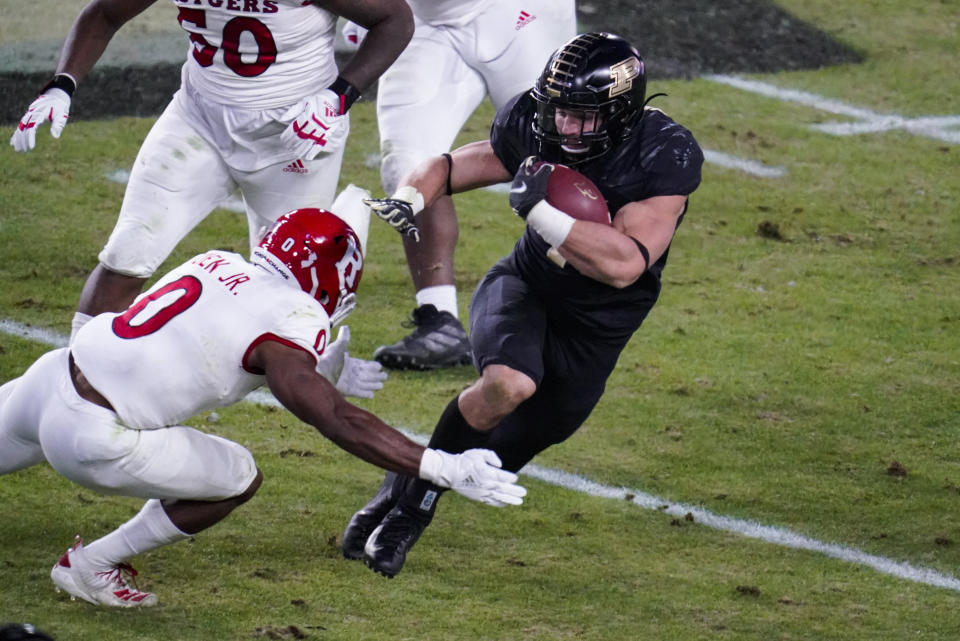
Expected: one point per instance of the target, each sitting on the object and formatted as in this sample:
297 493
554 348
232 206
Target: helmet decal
561 74
309 260
309 263
623 74
350 266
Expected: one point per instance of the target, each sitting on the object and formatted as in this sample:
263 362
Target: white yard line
559 478
943 128
37 334
752 167
750 529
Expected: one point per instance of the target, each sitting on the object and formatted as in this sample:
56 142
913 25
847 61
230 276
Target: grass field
801 371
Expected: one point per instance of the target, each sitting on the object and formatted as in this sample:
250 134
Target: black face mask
570 149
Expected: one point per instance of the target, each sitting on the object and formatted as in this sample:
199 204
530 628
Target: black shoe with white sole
369 516
387 547
438 341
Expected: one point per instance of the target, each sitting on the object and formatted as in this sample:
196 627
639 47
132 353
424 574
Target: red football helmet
320 252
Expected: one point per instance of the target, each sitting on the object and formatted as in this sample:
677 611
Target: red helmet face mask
320 253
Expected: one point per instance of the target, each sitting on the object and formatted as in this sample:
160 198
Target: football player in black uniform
548 322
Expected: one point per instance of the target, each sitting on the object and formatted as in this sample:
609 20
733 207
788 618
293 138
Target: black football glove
529 186
396 213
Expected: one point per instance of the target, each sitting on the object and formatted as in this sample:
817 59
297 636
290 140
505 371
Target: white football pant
426 96
196 156
43 418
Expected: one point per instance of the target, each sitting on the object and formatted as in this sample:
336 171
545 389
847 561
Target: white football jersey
448 12
258 54
181 348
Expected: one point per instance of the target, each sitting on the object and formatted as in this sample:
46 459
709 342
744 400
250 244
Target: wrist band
449 172
409 193
551 223
347 92
62 81
643 252
430 464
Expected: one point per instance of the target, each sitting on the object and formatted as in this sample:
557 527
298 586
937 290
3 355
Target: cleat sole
379 571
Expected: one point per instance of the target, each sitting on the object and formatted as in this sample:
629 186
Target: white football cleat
108 586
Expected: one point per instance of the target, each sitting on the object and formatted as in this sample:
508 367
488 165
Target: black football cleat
22 632
368 518
386 549
438 341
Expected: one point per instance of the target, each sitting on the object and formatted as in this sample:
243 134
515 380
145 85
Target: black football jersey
660 158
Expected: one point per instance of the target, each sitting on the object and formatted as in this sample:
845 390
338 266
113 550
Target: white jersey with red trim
453 13
181 347
258 54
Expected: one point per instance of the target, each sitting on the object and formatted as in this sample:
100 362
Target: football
574 194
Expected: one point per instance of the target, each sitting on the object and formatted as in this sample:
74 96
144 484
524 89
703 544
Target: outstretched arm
293 379
469 167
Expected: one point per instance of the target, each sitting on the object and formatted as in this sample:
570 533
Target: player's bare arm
92 31
475 165
390 25
609 254
471 166
293 379
89 35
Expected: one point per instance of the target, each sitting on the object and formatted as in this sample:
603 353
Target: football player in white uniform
261 107
106 412
461 52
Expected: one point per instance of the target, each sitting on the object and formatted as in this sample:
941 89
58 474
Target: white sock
148 530
443 297
79 320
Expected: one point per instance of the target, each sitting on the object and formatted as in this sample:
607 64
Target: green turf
806 339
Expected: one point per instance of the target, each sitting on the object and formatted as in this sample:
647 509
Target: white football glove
317 126
360 378
53 105
475 474
351 376
353 35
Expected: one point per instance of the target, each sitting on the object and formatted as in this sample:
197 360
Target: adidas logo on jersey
297 167
524 19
